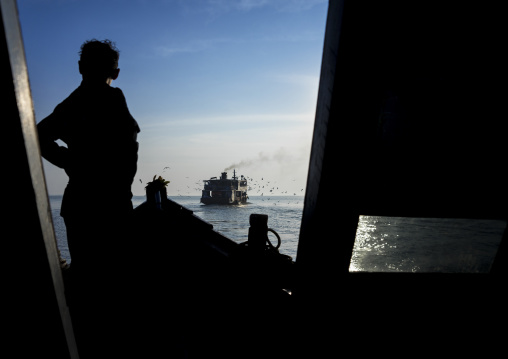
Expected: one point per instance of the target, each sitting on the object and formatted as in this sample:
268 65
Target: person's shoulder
116 93
70 100
116 90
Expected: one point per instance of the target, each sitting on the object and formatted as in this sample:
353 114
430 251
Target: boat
225 190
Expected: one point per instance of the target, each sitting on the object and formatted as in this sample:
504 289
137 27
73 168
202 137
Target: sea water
449 245
383 244
284 217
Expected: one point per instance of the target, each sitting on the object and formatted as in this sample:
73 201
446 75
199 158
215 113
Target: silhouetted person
101 154
101 161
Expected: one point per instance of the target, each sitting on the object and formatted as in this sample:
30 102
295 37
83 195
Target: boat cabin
224 190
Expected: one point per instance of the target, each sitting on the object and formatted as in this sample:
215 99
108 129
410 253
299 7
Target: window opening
448 245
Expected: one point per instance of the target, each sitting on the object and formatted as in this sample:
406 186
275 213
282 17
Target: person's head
99 60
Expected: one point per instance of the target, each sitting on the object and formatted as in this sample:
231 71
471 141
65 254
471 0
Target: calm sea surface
382 243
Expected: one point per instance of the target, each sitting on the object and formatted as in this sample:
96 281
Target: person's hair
98 58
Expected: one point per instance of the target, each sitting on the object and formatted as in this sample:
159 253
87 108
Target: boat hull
211 200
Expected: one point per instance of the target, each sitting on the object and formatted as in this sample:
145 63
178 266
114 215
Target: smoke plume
279 157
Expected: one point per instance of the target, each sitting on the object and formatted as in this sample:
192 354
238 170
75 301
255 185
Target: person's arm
130 143
49 132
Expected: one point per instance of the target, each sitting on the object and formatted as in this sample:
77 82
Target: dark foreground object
180 288
413 82
186 291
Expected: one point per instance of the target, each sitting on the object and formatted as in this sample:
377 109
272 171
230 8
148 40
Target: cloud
192 46
161 124
217 6
297 79
298 5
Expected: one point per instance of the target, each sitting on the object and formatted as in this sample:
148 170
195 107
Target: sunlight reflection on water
396 244
383 244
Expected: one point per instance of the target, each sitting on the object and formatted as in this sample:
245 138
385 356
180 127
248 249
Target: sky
214 84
